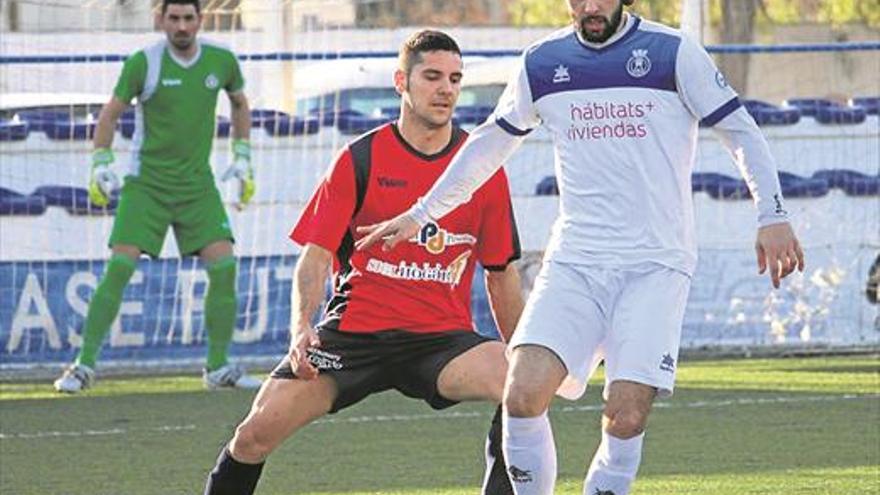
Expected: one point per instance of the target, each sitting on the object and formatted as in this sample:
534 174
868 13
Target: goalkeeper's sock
615 465
104 307
530 454
496 481
220 310
230 477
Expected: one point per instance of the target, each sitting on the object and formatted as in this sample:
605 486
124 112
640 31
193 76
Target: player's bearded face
181 23
433 87
597 20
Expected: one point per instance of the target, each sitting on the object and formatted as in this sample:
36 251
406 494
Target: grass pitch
778 426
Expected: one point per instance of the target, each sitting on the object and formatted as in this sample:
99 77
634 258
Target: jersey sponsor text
427 272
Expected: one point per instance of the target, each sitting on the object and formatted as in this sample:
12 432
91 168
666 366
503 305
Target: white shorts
629 317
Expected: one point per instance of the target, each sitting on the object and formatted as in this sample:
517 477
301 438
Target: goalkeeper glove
103 181
241 169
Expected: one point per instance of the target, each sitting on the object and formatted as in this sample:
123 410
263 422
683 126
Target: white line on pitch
92 433
460 415
598 407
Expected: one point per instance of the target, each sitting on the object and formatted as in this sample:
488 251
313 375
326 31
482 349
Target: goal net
318 74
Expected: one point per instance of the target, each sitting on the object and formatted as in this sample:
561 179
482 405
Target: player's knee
251 444
524 403
626 422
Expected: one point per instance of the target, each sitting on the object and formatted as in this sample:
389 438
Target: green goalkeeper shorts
144 215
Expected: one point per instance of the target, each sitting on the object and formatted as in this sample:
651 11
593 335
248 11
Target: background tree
736 21
394 13
554 13
834 12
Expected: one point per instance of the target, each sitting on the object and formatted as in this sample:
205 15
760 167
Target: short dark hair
194 3
423 41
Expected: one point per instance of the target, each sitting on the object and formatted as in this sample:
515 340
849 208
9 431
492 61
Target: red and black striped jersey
422 285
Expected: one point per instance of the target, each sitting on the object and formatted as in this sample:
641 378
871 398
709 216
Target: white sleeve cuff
419 213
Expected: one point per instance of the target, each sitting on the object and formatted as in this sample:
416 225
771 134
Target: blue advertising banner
43 305
162 312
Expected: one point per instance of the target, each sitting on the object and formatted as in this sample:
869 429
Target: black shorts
366 363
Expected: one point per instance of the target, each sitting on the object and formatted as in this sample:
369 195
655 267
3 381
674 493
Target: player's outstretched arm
399 228
777 248
312 270
778 251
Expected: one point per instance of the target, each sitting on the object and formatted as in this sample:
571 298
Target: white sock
530 454
614 466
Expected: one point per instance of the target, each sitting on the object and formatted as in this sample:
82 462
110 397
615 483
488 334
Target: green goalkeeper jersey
175 114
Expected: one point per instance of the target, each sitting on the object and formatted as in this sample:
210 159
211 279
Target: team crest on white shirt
639 65
211 82
561 75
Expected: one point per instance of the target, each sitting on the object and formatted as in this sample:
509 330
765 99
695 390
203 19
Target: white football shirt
624 118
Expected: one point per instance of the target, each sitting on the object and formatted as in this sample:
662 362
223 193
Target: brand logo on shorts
667 363
603 492
211 82
519 475
324 360
639 64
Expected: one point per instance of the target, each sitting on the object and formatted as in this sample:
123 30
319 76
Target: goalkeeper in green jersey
170 183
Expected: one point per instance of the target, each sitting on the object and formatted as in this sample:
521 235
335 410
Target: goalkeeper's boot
230 376
76 378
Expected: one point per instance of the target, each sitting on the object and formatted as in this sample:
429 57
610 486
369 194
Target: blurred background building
713 21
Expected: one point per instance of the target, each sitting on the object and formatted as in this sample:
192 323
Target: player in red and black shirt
430 276
398 319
